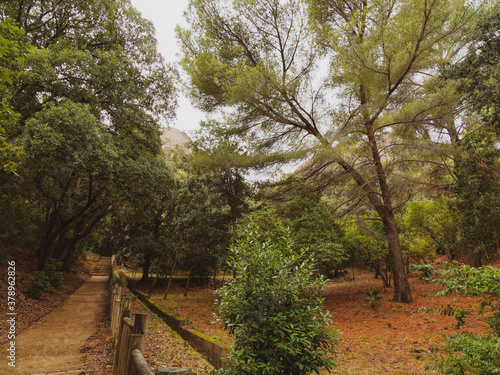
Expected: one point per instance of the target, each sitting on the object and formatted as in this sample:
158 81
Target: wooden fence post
123 354
137 341
129 336
141 324
124 309
115 310
118 311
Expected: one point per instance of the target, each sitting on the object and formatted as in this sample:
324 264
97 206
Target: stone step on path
102 267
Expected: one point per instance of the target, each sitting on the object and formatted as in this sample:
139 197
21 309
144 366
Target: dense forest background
391 109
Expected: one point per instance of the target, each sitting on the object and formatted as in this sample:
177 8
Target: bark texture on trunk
402 291
384 208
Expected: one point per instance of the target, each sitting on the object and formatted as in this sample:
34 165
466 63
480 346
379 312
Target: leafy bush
53 272
311 226
426 270
45 281
372 297
273 310
467 353
39 284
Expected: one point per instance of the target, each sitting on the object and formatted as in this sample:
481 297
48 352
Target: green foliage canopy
263 60
479 72
433 224
477 158
477 192
12 51
90 95
68 170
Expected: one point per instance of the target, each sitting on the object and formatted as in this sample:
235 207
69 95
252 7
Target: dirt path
52 345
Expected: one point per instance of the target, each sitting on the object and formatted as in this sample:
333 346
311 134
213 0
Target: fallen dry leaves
395 338
97 352
165 348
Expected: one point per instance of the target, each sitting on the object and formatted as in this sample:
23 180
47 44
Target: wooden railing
129 336
213 350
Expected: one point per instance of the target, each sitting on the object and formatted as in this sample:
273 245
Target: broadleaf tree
93 65
212 198
69 166
476 161
352 75
12 50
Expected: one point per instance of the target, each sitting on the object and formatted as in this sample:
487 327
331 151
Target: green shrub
467 353
47 280
54 273
426 270
39 284
372 297
273 309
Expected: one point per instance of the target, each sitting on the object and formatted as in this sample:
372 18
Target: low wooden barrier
214 350
129 336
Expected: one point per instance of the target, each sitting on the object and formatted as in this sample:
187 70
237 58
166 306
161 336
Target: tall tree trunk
61 245
175 263
215 276
171 276
68 253
160 262
44 253
224 276
188 280
145 268
383 207
402 291
45 248
476 258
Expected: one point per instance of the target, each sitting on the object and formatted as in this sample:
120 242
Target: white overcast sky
165 15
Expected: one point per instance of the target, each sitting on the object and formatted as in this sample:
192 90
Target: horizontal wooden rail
129 336
141 366
128 322
212 349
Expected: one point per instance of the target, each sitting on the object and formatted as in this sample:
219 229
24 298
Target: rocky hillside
172 137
